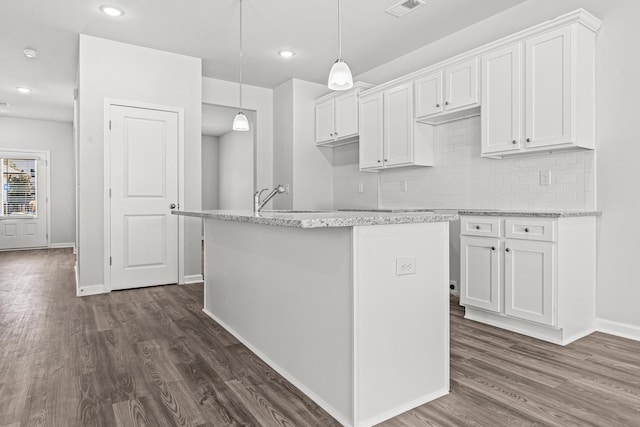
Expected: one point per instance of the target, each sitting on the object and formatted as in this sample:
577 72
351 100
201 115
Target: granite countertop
317 219
533 214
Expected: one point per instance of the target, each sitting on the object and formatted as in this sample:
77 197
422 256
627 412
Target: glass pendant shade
240 122
340 77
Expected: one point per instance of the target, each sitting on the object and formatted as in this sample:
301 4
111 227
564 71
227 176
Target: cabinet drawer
480 226
531 229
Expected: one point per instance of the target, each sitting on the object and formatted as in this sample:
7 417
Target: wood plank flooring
150 357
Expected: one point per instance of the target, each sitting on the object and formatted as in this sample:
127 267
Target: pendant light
240 122
340 75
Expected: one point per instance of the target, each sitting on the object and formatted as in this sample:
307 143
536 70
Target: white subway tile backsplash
463 179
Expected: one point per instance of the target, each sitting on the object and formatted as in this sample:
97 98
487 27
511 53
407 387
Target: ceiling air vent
404 7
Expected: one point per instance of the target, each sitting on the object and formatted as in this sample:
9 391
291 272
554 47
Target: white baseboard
63 245
618 329
293 380
194 278
90 290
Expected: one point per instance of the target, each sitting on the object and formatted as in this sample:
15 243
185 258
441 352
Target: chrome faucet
258 205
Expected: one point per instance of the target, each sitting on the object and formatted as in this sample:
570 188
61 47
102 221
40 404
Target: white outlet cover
405 266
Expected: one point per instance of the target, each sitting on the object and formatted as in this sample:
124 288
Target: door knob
172 206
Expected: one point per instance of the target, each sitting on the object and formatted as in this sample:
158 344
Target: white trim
63 245
87 290
108 103
47 159
619 329
293 380
194 278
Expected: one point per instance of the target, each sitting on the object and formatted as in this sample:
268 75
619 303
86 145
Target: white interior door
143 187
23 214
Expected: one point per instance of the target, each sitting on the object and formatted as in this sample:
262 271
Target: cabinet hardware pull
508 250
477 227
446 103
526 230
378 161
330 134
437 105
528 139
386 160
514 142
493 248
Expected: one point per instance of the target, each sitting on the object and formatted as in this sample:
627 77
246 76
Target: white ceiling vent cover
404 7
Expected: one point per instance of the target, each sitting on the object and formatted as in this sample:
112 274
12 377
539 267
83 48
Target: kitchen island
350 307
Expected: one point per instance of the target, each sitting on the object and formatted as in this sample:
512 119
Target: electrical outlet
545 178
361 188
405 266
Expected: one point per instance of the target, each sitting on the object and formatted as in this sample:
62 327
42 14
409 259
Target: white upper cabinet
538 94
428 95
501 100
445 91
371 131
461 86
389 137
548 96
324 120
337 116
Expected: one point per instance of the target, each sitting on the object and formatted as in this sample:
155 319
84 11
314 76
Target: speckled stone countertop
533 214
315 219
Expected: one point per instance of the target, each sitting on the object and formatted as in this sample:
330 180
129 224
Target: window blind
19 190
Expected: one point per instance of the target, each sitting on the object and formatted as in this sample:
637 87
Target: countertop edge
341 219
532 214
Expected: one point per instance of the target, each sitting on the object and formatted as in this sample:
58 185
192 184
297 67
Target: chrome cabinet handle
172 206
514 142
526 230
528 139
446 103
508 250
493 248
437 105
477 227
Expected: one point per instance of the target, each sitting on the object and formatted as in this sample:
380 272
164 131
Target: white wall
109 69
347 179
283 117
259 100
57 138
235 170
210 155
617 90
298 162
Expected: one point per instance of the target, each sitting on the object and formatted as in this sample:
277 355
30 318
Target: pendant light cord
240 55
339 34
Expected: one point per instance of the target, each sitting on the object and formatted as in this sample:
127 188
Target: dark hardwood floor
150 357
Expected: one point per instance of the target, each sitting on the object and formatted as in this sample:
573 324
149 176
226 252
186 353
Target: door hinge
110 261
109 124
109 193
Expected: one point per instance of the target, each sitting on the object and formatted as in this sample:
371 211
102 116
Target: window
19 191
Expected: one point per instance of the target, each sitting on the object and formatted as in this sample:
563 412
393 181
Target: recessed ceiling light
111 10
23 89
30 52
286 53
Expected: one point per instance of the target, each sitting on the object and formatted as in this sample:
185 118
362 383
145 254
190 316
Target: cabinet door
501 89
480 273
371 131
548 89
346 115
324 121
461 85
398 125
428 95
529 282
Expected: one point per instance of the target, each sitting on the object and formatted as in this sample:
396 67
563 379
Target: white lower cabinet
530 275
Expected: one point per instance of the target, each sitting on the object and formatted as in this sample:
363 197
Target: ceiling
209 29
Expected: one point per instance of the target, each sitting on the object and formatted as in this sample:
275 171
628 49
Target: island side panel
401 322
287 293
